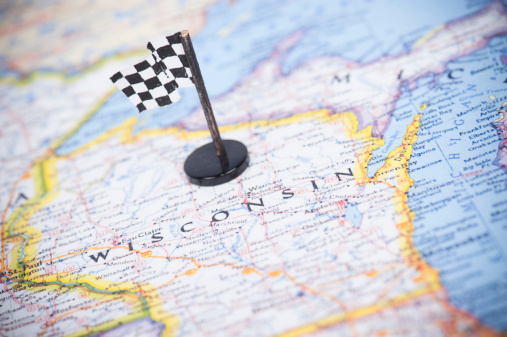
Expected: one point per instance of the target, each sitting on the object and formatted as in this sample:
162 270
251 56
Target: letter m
99 255
337 79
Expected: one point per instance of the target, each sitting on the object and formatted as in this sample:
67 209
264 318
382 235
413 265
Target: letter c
450 74
186 230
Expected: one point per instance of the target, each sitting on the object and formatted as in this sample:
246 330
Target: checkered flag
152 83
170 53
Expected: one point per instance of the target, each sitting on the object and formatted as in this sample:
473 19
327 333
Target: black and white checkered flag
153 82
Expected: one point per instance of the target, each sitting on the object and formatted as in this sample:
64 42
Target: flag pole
205 103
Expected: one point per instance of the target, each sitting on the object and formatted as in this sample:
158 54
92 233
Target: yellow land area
145 296
45 178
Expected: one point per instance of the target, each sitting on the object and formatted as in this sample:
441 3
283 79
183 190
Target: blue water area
112 113
367 30
357 30
353 215
459 195
118 108
404 112
237 37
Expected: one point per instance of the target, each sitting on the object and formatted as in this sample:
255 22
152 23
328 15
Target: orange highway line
199 265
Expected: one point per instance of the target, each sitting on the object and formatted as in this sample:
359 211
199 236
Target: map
375 202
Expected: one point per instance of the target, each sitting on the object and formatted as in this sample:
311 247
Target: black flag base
203 167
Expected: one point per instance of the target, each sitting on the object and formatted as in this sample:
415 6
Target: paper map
375 203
